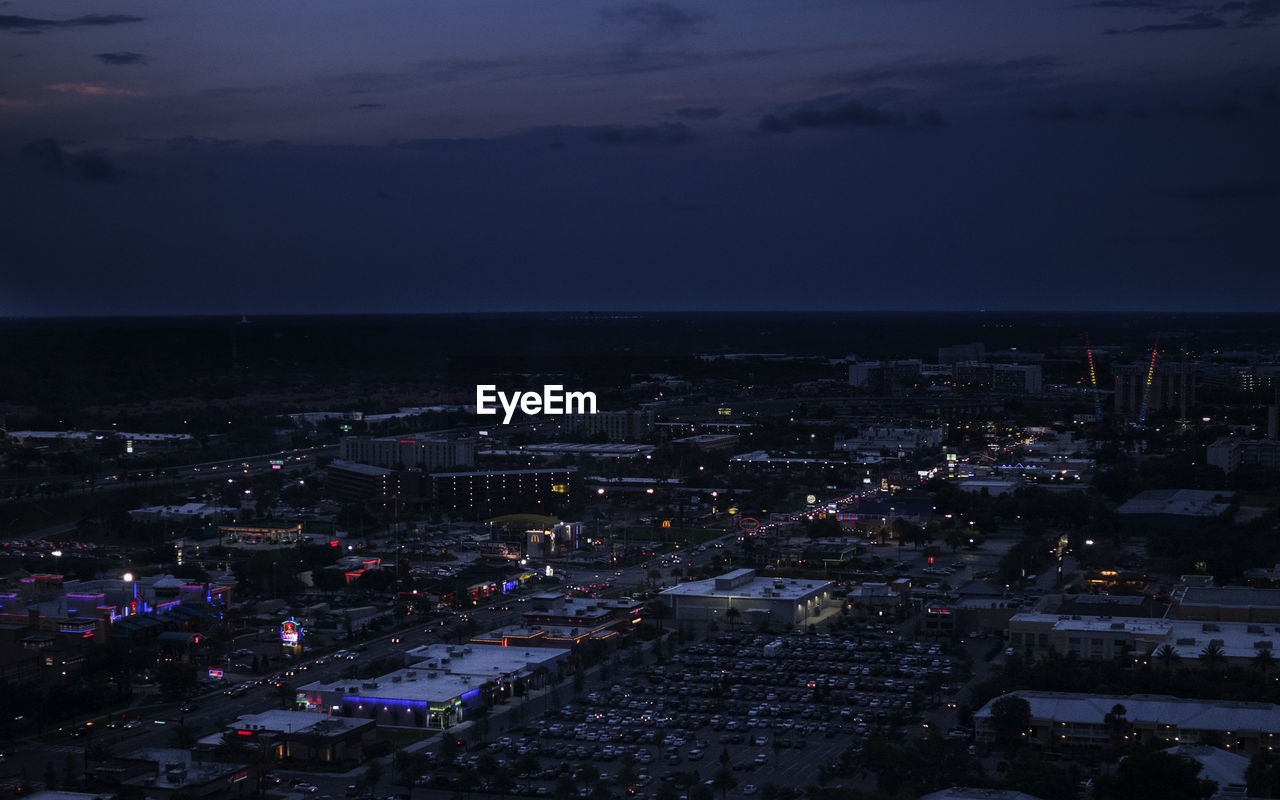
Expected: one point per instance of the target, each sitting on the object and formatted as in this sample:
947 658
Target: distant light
128 576
600 490
56 554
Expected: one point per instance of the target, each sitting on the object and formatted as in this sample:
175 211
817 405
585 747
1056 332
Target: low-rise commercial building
1067 721
786 603
1103 638
302 735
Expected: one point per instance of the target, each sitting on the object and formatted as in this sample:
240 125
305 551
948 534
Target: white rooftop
1222 766
280 721
1180 502
745 583
483 659
403 684
1209 715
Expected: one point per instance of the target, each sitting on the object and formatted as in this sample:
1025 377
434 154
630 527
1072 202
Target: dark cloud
122 59
827 115
366 106
1258 12
46 153
11 22
654 22
1153 5
90 166
444 145
1196 22
1243 190
1092 113
1233 14
699 114
1214 110
94 168
191 142
953 78
675 133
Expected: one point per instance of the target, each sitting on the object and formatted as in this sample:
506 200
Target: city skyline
637 156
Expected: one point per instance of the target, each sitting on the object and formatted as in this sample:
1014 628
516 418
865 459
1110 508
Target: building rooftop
503 472
1221 766
552 633
418 685
1090 709
1235 596
280 721
361 469
971 793
177 769
745 583
490 660
1177 502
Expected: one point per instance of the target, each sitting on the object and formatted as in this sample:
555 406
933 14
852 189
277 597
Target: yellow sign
666 523
560 488
733 511
724 411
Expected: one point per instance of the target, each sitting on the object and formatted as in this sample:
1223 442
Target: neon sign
290 631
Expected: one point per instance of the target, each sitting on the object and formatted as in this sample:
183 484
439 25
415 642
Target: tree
1263 661
1212 656
372 775
724 781
449 745
175 678
1167 655
1117 726
1263 775
1030 773
288 697
501 782
565 788
1147 774
1010 721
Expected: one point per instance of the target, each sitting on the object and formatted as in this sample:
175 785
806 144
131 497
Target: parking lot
771 708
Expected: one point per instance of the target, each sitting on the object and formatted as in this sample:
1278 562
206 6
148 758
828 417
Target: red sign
748 523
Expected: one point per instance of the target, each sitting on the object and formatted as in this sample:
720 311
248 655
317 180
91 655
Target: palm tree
1264 661
724 781
1167 655
1212 655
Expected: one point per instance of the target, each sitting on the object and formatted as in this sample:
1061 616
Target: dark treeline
67 363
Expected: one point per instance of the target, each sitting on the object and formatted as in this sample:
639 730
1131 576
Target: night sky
365 156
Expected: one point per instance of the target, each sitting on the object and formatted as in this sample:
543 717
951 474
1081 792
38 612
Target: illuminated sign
810 499
560 488
724 412
290 631
277 464
216 674
666 523
748 523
